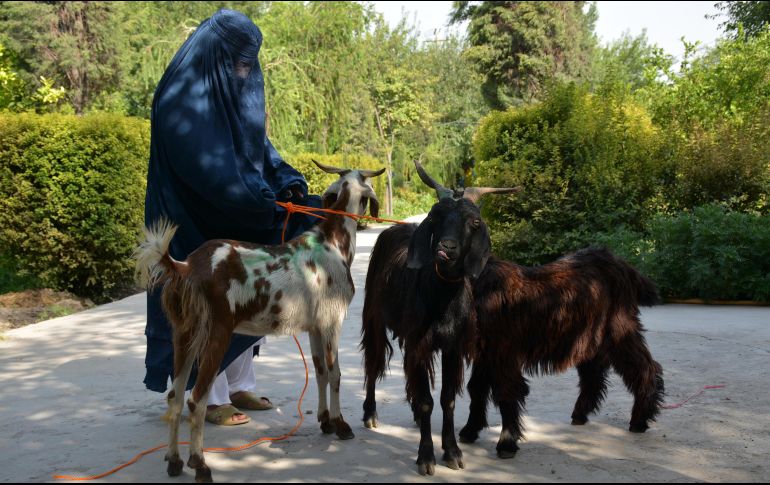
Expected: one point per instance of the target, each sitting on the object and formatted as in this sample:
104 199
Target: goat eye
476 222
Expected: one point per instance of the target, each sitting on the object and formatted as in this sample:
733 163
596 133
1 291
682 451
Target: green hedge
72 198
587 164
711 253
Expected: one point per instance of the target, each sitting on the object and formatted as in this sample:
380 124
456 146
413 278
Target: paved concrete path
73 403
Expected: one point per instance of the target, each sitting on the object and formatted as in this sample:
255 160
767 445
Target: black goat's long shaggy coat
579 311
561 314
407 297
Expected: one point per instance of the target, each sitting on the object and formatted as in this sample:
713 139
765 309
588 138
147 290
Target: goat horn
372 173
475 193
441 191
330 169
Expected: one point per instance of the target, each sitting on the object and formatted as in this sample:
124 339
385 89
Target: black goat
579 311
418 287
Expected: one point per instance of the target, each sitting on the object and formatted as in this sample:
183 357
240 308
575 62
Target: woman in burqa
214 173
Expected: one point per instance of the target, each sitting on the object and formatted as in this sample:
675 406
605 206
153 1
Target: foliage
747 18
71 43
587 164
150 33
17 95
726 164
728 83
631 62
11 86
521 46
408 203
12 278
710 252
71 198
332 70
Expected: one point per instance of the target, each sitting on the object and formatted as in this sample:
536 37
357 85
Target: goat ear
374 207
374 204
478 254
419 253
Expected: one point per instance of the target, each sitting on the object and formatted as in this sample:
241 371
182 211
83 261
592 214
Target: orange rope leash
311 211
679 405
291 209
215 450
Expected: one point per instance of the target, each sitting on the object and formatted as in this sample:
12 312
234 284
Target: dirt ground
21 308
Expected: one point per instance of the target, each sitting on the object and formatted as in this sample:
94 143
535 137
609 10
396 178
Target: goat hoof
175 466
507 451
343 430
426 469
454 460
468 435
579 421
638 428
327 427
203 475
426 460
371 422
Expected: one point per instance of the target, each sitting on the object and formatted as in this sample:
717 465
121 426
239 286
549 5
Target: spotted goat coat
227 287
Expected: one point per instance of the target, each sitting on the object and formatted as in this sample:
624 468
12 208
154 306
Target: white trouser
238 376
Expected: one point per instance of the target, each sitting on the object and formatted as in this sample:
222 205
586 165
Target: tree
750 18
397 91
456 106
151 33
521 46
74 44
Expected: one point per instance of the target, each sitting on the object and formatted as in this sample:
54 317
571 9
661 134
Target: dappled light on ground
74 404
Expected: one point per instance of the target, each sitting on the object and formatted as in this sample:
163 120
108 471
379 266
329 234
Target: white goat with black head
227 287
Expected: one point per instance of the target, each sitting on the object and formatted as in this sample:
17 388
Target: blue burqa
212 169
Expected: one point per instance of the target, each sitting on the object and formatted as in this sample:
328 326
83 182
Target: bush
711 253
12 278
408 202
587 163
727 164
72 197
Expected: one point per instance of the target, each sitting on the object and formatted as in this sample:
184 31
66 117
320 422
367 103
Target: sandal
223 416
250 401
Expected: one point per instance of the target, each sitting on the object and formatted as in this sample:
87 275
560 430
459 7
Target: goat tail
644 291
647 291
182 299
154 264
376 347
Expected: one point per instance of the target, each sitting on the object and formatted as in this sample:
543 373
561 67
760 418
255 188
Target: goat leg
426 459
593 389
452 372
478 389
370 405
510 396
183 363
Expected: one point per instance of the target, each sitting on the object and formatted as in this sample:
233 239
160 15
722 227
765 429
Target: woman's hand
293 192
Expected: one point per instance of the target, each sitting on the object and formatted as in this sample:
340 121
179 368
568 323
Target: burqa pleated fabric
212 169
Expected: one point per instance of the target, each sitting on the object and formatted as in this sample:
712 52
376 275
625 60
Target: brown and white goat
227 287
418 287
